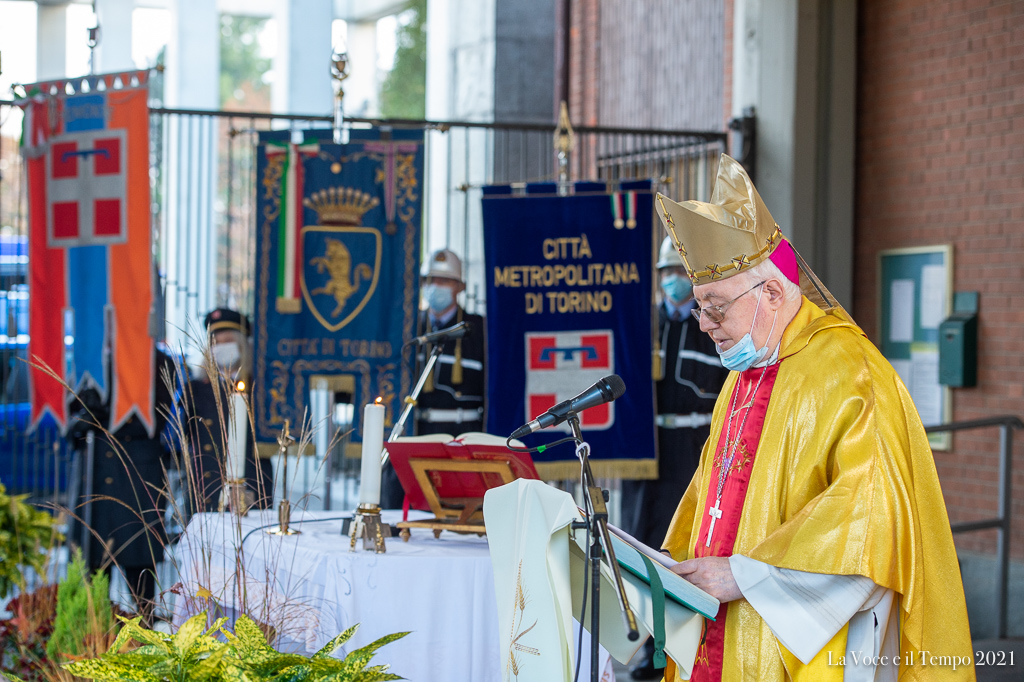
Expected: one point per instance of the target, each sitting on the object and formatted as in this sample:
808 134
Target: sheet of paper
924 385
933 296
901 311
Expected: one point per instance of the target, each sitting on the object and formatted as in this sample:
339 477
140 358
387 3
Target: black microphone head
613 383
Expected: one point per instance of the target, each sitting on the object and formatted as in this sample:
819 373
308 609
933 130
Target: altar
310 588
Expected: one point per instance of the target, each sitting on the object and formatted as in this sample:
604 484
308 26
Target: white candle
373 444
237 433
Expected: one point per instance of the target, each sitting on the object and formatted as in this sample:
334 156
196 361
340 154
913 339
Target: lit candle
239 423
373 444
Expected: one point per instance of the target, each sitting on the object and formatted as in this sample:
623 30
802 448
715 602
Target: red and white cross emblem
86 189
561 364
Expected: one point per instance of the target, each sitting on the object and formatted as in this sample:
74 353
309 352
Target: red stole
708 666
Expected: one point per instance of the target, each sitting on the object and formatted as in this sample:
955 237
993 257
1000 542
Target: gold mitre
732 233
340 205
735 232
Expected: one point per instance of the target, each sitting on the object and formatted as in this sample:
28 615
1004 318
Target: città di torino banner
569 301
337 286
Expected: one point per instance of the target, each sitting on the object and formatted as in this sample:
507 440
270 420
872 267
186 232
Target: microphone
456 331
604 391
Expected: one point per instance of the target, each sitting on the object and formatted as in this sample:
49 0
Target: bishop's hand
712 574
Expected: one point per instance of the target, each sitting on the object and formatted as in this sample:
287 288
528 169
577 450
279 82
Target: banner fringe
608 468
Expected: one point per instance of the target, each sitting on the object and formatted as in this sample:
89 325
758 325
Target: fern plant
194 654
25 535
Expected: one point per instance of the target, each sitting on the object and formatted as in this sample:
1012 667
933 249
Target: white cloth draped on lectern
528 534
538 582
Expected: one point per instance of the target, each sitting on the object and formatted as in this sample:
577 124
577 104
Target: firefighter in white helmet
452 400
688 383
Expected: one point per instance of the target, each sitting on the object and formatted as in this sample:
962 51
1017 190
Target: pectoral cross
715 513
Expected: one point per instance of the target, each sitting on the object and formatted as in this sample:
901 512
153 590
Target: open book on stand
449 476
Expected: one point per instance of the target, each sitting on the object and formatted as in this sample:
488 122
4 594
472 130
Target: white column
460 64
191 82
51 41
362 88
114 51
302 76
438 107
192 79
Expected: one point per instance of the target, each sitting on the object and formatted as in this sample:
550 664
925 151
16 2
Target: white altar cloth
311 588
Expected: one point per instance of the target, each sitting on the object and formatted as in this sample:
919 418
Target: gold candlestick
284 508
366 524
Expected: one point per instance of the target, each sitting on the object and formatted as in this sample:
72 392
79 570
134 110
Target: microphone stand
597 521
410 402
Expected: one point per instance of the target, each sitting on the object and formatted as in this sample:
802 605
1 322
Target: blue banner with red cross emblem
569 301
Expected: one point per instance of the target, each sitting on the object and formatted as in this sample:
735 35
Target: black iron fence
203 183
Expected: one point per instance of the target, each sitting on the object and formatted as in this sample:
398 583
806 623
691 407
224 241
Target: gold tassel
457 367
657 361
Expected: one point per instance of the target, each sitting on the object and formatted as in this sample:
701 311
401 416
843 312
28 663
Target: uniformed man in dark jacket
204 412
685 397
452 400
124 515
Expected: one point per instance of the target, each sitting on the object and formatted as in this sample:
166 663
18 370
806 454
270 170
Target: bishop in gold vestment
816 510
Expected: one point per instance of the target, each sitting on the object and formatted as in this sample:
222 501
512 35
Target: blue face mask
743 355
676 289
438 298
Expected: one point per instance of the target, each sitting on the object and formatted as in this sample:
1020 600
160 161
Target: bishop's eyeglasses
716 313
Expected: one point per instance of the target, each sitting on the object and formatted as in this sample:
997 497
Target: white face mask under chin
226 355
743 355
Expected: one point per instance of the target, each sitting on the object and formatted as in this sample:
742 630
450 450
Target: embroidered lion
338 263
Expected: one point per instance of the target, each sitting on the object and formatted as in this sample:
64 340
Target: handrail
707 135
1009 420
1003 523
710 135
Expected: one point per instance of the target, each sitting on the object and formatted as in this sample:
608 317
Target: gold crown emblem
340 205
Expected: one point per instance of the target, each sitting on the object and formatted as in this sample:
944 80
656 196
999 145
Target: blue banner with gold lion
337 254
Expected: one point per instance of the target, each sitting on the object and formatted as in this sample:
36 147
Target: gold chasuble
833 475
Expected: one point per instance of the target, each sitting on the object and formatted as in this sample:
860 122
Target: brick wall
648 63
940 159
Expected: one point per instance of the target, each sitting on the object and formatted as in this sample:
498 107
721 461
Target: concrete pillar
114 52
362 88
302 68
461 57
795 63
51 41
189 233
192 79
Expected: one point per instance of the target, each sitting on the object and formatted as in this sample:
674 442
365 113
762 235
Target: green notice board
915 289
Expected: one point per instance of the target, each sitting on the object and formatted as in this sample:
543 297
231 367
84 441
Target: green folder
678 589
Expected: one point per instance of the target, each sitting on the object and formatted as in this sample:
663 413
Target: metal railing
203 183
1004 522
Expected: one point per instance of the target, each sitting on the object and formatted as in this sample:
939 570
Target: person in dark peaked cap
204 409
